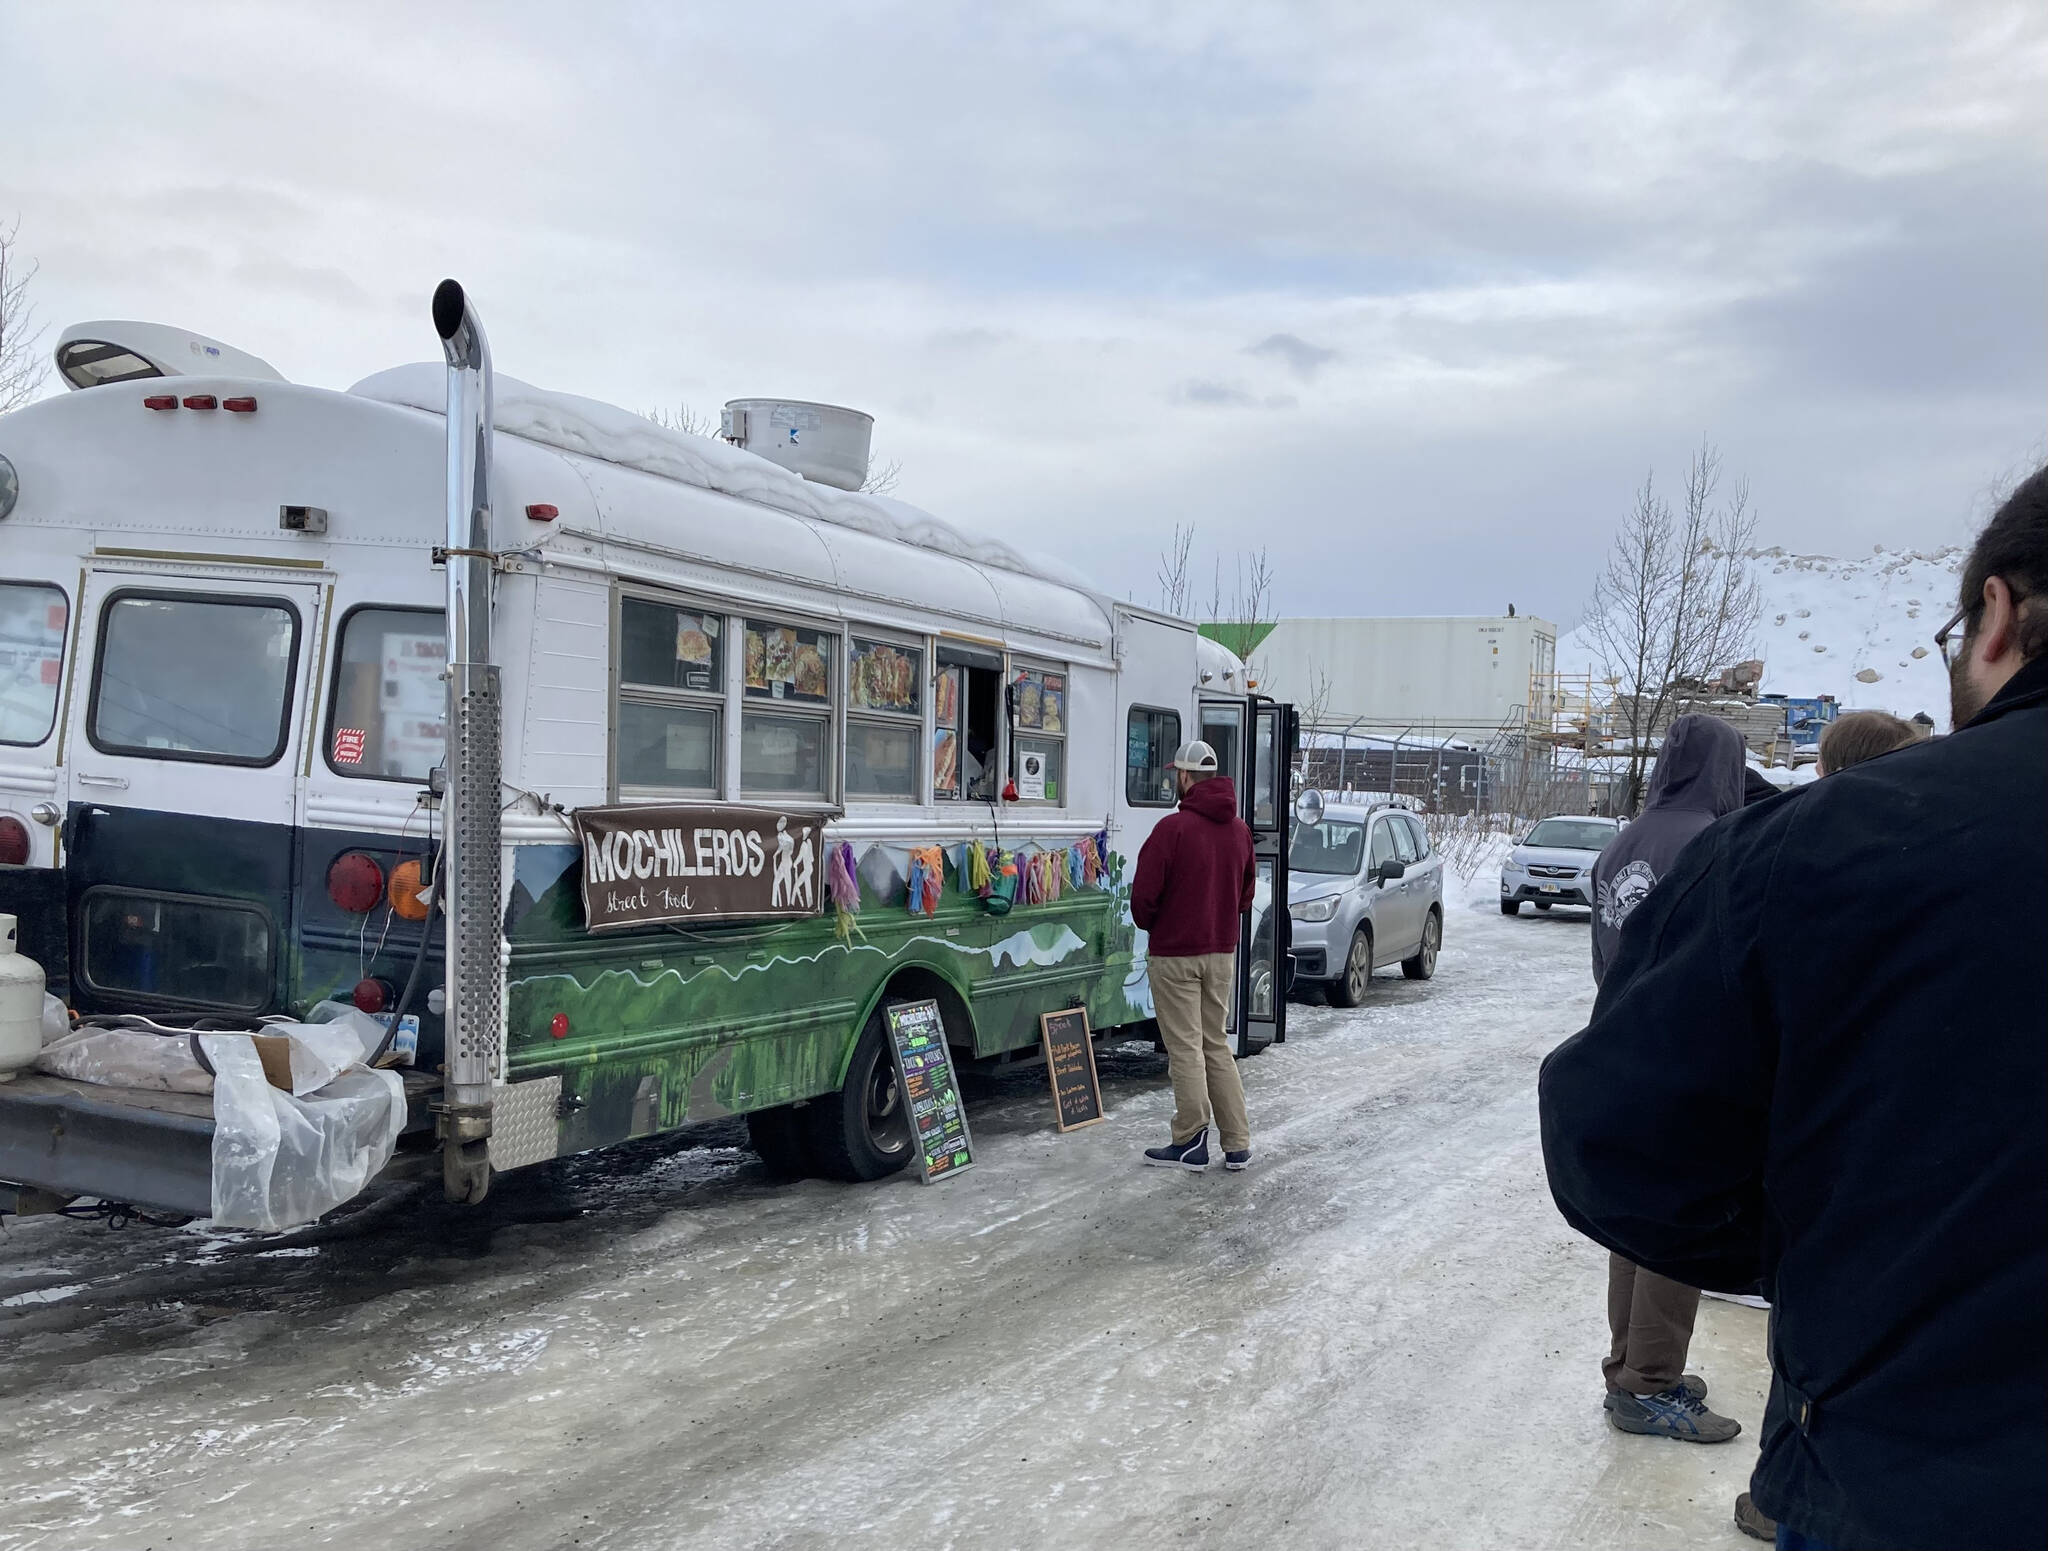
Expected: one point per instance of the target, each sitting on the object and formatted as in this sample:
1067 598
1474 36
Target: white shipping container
1452 671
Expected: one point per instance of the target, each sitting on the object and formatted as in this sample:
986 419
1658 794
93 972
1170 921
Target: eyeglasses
1948 643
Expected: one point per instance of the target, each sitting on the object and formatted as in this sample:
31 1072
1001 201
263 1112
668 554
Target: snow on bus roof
603 431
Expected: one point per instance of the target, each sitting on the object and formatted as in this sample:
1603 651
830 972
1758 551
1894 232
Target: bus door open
185 739
1254 741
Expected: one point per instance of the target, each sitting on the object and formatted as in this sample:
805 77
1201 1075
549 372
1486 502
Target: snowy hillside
1860 630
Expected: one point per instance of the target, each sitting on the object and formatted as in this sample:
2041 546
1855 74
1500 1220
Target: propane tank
21 1006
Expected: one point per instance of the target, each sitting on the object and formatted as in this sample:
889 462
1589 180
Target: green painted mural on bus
659 1026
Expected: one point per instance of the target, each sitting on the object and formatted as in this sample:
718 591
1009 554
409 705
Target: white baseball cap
1196 756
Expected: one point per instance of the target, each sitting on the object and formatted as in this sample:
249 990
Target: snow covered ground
1861 630
1382 1335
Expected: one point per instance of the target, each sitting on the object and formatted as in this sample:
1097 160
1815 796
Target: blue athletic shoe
1238 1162
1191 1154
1676 1413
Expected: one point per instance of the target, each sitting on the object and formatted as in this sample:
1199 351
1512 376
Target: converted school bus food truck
244 770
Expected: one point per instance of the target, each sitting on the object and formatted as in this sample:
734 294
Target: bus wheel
862 1132
781 1138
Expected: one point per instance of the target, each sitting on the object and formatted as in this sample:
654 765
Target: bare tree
1176 595
691 422
882 478
1676 603
21 364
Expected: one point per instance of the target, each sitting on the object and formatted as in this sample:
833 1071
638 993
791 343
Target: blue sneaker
1191 1154
1675 1413
1238 1162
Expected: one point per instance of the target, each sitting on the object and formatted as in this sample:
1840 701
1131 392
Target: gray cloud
1296 353
1522 253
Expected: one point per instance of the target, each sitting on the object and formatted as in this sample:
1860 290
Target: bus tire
782 1139
862 1132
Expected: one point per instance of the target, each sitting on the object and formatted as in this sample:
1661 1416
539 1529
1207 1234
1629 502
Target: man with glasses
1818 1067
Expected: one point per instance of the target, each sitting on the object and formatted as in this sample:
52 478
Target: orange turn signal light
408 891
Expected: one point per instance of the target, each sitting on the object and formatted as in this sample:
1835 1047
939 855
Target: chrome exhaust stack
471 853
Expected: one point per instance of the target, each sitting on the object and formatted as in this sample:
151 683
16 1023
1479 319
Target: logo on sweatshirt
1624 891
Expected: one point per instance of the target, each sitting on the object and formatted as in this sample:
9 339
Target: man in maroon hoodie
1195 878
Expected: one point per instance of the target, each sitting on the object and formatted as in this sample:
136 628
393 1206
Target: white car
1553 864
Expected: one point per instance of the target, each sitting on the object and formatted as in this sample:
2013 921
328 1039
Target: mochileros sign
646 865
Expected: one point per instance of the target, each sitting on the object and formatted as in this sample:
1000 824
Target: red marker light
540 511
201 401
355 882
239 406
161 401
558 1025
371 995
13 842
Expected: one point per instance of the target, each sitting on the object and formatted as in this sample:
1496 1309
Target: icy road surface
1380 1336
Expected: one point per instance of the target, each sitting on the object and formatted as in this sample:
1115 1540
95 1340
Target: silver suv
1553 864
1364 891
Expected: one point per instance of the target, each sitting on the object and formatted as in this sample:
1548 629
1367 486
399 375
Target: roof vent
89 354
822 442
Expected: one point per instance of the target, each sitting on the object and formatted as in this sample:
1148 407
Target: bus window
670 716
1151 740
32 620
385 720
884 720
786 739
1038 707
967 726
194 676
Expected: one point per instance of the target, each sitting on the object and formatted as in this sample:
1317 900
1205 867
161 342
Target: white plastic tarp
284 1159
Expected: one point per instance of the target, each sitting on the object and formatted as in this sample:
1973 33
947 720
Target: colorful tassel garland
927 879
842 885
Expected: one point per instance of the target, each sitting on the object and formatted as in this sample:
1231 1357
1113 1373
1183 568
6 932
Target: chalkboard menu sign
924 1068
1070 1059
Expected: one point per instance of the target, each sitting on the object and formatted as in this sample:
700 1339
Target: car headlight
1314 909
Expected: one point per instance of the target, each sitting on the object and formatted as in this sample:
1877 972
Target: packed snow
1382 1335
1861 630
569 423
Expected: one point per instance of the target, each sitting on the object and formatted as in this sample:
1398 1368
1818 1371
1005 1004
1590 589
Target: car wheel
862 1132
1349 988
1511 907
1423 965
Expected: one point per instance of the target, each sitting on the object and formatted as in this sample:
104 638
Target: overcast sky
1411 294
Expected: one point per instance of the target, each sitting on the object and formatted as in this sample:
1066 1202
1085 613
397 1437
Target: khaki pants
1650 1319
1192 999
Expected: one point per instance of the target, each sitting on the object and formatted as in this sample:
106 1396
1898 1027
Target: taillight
201 401
161 401
355 882
239 406
372 996
408 892
13 842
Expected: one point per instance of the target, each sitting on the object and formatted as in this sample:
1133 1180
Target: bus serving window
671 699
387 717
1038 710
194 676
885 721
786 726
32 620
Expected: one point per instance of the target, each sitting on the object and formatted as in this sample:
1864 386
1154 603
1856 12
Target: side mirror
1392 869
1308 807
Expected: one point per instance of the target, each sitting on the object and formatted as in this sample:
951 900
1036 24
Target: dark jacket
1698 777
1819 1063
1195 874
